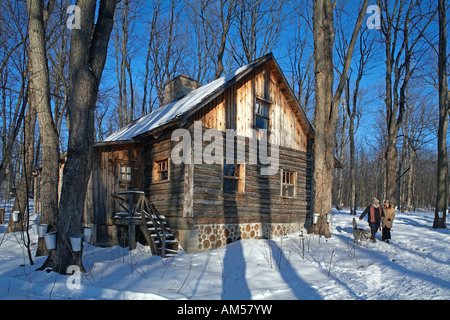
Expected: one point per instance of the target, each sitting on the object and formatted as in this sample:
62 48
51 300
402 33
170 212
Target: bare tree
301 59
23 188
125 48
341 144
326 109
149 72
414 135
402 24
165 49
353 112
13 80
259 24
213 21
40 90
88 51
58 56
351 103
442 167
200 64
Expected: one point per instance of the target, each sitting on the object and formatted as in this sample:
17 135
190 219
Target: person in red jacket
375 213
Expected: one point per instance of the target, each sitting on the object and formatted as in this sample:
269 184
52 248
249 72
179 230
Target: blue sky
372 84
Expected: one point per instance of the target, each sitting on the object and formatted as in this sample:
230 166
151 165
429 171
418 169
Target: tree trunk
326 110
88 50
23 189
352 166
442 169
40 91
324 140
402 28
391 156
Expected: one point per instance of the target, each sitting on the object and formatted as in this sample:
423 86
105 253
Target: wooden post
132 234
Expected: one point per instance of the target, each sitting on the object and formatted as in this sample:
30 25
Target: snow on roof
175 109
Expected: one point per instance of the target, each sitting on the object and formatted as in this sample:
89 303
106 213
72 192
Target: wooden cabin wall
193 200
167 196
234 109
260 211
104 180
261 199
262 193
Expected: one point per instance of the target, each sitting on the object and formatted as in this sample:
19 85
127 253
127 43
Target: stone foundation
204 237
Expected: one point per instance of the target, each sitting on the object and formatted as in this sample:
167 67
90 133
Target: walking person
375 212
387 220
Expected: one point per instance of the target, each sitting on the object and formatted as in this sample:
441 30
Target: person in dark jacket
375 213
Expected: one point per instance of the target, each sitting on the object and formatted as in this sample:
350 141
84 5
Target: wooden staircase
157 232
153 225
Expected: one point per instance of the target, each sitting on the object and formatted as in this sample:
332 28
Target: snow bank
415 265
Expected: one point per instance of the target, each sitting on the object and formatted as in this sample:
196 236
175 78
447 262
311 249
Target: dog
360 234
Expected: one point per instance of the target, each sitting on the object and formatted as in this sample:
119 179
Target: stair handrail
144 227
157 221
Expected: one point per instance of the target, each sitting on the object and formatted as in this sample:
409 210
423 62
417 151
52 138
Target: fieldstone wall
212 236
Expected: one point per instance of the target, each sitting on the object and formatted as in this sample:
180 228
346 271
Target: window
233 174
261 114
288 184
125 173
162 170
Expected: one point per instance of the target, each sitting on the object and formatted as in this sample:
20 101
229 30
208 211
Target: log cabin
208 204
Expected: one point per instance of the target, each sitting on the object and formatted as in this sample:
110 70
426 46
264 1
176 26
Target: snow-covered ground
415 265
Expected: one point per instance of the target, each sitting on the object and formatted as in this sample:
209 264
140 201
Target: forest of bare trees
388 102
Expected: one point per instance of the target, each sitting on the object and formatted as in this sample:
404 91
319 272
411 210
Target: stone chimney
178 87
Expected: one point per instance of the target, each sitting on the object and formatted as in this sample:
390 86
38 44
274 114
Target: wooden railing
143 213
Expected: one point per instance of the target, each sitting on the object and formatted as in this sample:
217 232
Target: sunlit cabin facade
208 205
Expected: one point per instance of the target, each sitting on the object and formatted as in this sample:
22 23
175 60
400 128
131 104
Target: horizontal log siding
261 200
167 196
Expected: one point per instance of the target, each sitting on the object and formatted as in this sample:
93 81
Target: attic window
161 170
261 114
288 184
233 178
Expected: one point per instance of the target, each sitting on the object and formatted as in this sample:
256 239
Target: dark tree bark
88 51
327 105
442 169
23 189
40 91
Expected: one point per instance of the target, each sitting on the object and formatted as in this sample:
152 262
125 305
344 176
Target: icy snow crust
415 265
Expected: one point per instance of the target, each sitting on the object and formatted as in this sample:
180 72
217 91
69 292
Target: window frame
128 173
260 101
124 184
238 175
157 170
292 182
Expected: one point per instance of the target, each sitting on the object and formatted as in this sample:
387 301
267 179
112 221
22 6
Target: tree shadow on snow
234 283
301 289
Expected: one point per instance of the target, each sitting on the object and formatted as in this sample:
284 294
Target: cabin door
127 177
